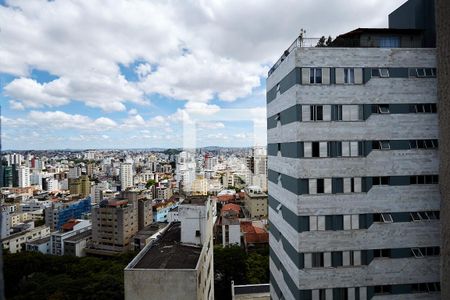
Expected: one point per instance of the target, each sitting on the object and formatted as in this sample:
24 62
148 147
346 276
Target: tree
38 276
150 183
325 42
229 264
321 42
329 42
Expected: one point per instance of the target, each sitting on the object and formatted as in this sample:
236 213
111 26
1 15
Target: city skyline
96 81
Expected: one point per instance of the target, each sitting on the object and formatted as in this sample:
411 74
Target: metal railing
298 43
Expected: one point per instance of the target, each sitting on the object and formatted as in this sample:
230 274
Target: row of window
355 184
355 221
349 75
359 257
354 112
335 185
356 148
345 112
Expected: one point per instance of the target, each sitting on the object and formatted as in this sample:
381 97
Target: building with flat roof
16 242
70 229
40 245
179 263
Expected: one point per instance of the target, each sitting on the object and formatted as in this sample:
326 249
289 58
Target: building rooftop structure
250 291
40 241
380 38
168 252
362 37
79 236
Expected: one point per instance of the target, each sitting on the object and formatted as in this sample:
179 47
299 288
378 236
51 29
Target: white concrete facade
313 257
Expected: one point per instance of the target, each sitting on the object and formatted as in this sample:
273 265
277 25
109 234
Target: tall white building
23 176
14 159
126 175
185 170
74 172
353 163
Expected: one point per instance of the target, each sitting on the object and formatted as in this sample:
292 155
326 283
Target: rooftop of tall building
168 253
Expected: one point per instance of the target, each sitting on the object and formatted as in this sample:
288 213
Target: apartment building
255 202
354 203
114 223
126 175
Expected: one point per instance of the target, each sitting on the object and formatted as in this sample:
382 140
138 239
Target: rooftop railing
298 43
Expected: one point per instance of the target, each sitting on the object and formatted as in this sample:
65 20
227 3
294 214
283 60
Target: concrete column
443 67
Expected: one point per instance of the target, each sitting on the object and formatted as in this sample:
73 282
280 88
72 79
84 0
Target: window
425 72
350 112
424 179
382 253
384 72
315 149
381 145
320 186
426 108
426 287
375 72
383 180
350 148
383 108
389 42
315 75
338 113
387 218
417 252
278 88
317 260
278 117
349 75
316 112
382 289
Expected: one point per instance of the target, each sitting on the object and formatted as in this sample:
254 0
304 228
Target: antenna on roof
300 37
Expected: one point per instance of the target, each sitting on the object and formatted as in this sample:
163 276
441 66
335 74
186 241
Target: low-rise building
255 202
39 245
76 244
69 229
16 242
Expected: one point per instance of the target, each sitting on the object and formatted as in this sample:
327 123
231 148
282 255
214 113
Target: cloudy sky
131 74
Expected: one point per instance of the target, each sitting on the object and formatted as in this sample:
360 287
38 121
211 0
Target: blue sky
133 74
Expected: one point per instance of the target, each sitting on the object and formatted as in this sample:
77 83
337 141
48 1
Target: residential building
23 175
161 209
199 186
72 228
255 202
229 225
80 186
353 169
61 212
179 264
16 242
75 245
126 175
114 223
39 245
